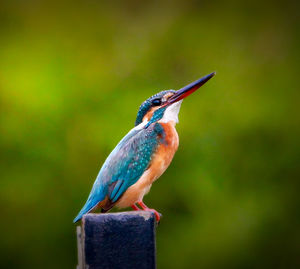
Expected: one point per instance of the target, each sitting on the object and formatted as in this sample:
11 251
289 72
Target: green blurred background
72 76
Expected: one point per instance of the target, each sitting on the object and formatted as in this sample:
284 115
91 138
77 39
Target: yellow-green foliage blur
72 76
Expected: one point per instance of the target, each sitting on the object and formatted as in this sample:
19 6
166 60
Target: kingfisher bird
142 156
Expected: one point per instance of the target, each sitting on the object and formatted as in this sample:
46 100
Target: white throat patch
171 113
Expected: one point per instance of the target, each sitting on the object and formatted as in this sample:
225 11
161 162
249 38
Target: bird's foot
146 208
135 207
157 214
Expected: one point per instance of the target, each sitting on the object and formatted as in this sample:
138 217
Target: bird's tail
95 199
89 205
86 209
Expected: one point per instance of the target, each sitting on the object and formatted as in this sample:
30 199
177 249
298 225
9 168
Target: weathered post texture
117 240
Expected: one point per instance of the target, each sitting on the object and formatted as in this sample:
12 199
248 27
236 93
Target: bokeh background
72 76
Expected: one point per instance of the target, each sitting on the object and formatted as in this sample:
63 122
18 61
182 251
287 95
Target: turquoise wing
124 166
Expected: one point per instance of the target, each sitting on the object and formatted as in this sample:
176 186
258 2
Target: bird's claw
145 208
157 214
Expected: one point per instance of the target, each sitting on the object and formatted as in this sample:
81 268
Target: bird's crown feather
149 103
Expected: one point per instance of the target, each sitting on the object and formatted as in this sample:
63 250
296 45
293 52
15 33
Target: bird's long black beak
189 89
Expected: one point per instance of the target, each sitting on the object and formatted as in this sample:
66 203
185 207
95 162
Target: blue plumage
124 166
157 115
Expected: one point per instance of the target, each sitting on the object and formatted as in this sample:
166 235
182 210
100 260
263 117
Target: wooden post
117 240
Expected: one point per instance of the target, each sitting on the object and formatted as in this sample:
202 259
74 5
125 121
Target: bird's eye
156 102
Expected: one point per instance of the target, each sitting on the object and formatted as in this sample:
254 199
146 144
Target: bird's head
164 106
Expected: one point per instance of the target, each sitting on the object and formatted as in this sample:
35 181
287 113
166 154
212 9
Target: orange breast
165 152
160 162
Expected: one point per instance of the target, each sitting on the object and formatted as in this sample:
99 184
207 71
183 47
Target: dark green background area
72 76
